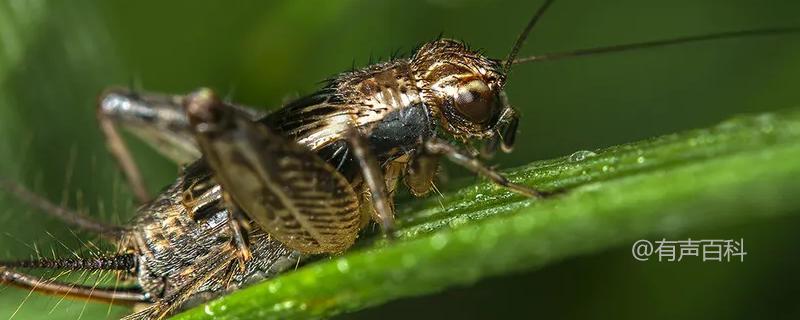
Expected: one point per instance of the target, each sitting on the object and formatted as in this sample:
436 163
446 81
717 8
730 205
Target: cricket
262 193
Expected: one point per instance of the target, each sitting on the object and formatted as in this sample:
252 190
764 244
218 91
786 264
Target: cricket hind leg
106 231
437 146
285 188
124 263
157 119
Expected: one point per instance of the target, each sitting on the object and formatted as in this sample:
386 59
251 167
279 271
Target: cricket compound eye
475 101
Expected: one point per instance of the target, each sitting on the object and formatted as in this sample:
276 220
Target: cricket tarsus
470 162
656 43
107 231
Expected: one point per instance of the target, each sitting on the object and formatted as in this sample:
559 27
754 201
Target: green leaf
743 169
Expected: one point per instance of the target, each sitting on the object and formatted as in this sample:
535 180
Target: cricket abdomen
185 230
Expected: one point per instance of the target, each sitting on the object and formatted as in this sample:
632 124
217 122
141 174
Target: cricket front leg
421 172
438 146
373 177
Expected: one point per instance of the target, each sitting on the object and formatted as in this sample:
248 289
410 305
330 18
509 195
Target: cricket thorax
354 99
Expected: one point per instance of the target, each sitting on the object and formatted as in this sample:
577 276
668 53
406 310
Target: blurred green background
56 56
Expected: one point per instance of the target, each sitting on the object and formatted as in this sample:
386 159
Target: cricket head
464 89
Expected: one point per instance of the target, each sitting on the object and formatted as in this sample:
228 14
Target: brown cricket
261 193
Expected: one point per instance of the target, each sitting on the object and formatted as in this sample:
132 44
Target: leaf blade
740 170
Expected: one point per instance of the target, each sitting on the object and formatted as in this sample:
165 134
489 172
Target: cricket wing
288 190
314 121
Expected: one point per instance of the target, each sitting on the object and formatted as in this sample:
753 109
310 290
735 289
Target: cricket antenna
655 43
524 35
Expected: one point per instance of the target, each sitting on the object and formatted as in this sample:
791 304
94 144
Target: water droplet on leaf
343 266
581 155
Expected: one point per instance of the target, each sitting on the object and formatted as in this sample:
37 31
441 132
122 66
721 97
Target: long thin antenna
524 35
653 44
